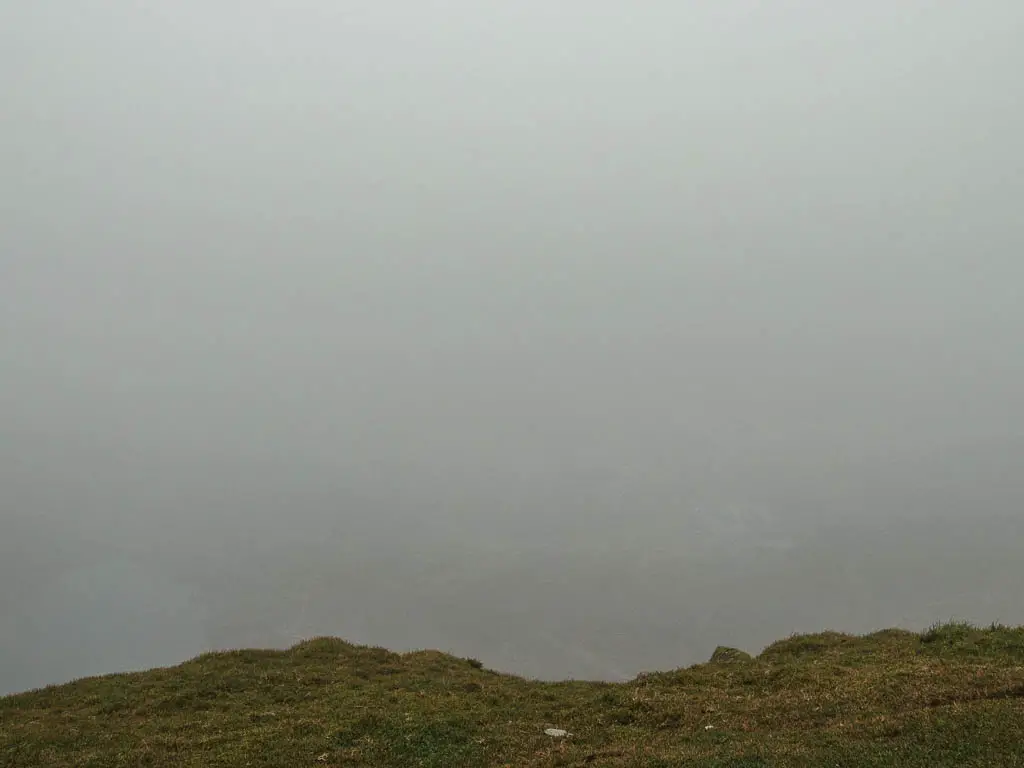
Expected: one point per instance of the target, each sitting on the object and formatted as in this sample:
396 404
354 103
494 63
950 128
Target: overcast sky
432 298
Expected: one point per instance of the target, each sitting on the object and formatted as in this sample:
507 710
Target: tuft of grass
952 695
949 633
959 638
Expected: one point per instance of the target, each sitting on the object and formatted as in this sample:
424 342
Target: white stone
556 732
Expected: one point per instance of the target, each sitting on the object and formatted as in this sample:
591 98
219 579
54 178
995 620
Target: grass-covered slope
953 696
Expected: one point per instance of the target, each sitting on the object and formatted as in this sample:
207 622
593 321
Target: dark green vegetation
951 696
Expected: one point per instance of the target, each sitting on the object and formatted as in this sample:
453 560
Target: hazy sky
578 337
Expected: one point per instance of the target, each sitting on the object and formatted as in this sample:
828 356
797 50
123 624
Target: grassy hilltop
952 696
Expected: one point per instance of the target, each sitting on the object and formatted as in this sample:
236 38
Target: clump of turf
725 655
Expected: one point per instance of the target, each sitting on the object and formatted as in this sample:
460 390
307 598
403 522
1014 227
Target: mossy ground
951 696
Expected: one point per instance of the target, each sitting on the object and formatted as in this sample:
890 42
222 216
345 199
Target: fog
577 337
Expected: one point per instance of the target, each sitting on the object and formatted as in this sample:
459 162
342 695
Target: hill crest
953 695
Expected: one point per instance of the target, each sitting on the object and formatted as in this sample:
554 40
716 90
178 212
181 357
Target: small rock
709 727
558 733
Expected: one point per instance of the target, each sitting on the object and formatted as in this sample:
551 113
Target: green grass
950 696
